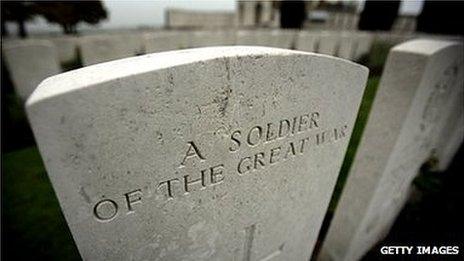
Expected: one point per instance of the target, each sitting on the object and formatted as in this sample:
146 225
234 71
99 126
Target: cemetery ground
34 227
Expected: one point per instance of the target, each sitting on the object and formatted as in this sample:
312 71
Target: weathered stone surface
204 154
411 107
29 62
102 48
328 43
452 134
306 41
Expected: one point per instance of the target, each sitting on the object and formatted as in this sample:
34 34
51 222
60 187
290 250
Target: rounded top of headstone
108 71
19 43
424 46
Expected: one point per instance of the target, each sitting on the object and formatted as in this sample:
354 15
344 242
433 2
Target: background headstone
66 47
328 43
364 44
347 46
165 41
103 48
213 153
29 62
306 41
212 38
410 108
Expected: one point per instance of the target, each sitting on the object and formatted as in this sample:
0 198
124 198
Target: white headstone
29 62
66 47
306 41
248 37
347 45
269 38
328 43
227 153
102 48
364 44
165 41
212 38
410 108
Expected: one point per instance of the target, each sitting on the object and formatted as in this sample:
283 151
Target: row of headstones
31 61
232 153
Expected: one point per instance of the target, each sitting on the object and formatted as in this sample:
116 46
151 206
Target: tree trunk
66 28
22 29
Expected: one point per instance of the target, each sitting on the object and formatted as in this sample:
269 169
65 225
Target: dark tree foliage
443 17
378 15
292 14
69 13
18 12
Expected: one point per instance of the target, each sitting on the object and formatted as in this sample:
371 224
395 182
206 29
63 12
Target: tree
19 12
378 15
69 13
441 17
292 14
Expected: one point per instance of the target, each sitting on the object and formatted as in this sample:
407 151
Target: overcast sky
131 14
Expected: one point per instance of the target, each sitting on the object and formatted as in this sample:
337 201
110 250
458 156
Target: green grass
33 225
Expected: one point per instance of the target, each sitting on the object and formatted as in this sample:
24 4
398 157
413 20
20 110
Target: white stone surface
102 48
29 62
328 43
410 109
250 139
306 41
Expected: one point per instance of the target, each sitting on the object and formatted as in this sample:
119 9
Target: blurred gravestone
364 44
306 41
269 38
347 46
165 41
328 43
411 108
103 48
214 153
29 62
211 38
66 47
